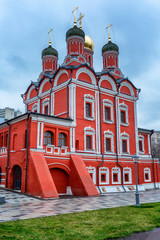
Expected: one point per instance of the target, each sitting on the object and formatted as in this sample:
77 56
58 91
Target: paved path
19 206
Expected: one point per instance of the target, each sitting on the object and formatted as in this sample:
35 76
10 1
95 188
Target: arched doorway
60 178
17 175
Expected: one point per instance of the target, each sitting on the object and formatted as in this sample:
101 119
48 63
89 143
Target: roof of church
49 51
75 31
110 47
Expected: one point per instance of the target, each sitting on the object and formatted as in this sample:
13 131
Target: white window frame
35 107
123 107
108 103
104 170
128 171
93 171
89 99
108 134
44 104
147 170
141 138
125 136
88 131
118 171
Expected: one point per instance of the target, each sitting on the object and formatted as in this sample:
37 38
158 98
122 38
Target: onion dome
49 51
110 47
88 44
75 31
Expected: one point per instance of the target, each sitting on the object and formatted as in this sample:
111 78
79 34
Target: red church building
80 131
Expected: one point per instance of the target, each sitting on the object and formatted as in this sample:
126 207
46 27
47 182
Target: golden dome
88 43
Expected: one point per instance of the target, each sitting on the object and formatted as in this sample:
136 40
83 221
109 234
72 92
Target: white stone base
129 188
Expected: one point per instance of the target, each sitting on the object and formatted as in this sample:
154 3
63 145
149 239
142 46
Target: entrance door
17 174
60 178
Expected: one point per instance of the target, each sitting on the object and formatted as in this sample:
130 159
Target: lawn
90 225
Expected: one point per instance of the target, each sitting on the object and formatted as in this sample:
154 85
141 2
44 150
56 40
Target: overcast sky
24 26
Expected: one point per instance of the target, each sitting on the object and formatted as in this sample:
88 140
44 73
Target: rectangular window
146 176
103 177
46 110
123 116
115 177
107 113
88 110
140 146
126 177
124 146
89 142
108 144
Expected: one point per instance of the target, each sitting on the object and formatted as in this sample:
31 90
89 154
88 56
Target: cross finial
109 34
80 20
50 43
75 20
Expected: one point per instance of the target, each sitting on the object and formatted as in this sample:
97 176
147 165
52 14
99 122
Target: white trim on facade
141 138
116 170
109 134
92 170
88 131
123 107
147 171
108 103
127 170
125 136
104 170
89 99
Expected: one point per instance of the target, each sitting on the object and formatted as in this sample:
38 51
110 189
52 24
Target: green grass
90 225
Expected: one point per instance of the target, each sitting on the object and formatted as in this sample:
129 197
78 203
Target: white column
97 122
52 103
136 127
72 102
40 135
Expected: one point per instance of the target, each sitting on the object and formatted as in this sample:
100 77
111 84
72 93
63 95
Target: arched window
62 139
48 138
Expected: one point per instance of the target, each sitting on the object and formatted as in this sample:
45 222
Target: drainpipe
8 151
68 94
115 99
152 131
27 146
101 135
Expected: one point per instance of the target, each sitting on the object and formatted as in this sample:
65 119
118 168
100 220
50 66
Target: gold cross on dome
80 20
109 35
50 43
75 20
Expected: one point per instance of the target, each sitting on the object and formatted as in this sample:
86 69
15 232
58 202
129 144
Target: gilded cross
50 43
75 20
80 20
109 35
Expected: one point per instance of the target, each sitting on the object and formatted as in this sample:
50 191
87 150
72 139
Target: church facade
79 133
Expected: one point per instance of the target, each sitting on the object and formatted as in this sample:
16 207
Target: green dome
49 51
110 47
75 31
